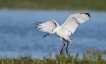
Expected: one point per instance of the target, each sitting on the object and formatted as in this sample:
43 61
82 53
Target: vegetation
88 57
55 4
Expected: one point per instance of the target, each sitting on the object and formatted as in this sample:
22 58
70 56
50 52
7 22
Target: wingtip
36 23
87 14
36 26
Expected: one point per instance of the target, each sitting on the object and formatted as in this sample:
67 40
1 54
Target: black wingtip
36 26
87 14
37 23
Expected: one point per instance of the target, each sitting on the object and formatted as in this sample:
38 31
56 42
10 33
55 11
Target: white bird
64 31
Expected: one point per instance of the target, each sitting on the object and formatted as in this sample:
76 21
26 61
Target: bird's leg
45 35
61 51
67 49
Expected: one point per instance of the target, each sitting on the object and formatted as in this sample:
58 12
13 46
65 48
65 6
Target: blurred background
55 4
18 35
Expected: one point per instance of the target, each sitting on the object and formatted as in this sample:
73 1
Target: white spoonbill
64 31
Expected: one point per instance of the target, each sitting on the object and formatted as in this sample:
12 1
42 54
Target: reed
88 57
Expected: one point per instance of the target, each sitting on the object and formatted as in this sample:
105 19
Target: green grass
88 57
55 4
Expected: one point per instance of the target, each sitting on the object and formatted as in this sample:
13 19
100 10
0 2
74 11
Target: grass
55 4
88 57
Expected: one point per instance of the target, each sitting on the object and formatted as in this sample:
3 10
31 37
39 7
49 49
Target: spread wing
73 21
48 26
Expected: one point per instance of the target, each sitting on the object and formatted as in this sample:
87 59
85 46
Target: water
18 35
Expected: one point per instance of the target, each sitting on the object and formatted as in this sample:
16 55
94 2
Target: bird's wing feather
48 26
73 21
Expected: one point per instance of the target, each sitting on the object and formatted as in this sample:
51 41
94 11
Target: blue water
18 35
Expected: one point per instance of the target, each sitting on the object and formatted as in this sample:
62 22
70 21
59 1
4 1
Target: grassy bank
55 4
88 57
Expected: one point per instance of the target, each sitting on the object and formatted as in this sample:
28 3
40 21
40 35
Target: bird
65 30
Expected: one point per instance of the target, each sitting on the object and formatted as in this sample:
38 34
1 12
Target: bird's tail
70 40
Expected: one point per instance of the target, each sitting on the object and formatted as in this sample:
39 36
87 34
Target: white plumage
48 26
64 31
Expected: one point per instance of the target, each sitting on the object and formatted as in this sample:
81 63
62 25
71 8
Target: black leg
45 35
67 49
61 51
